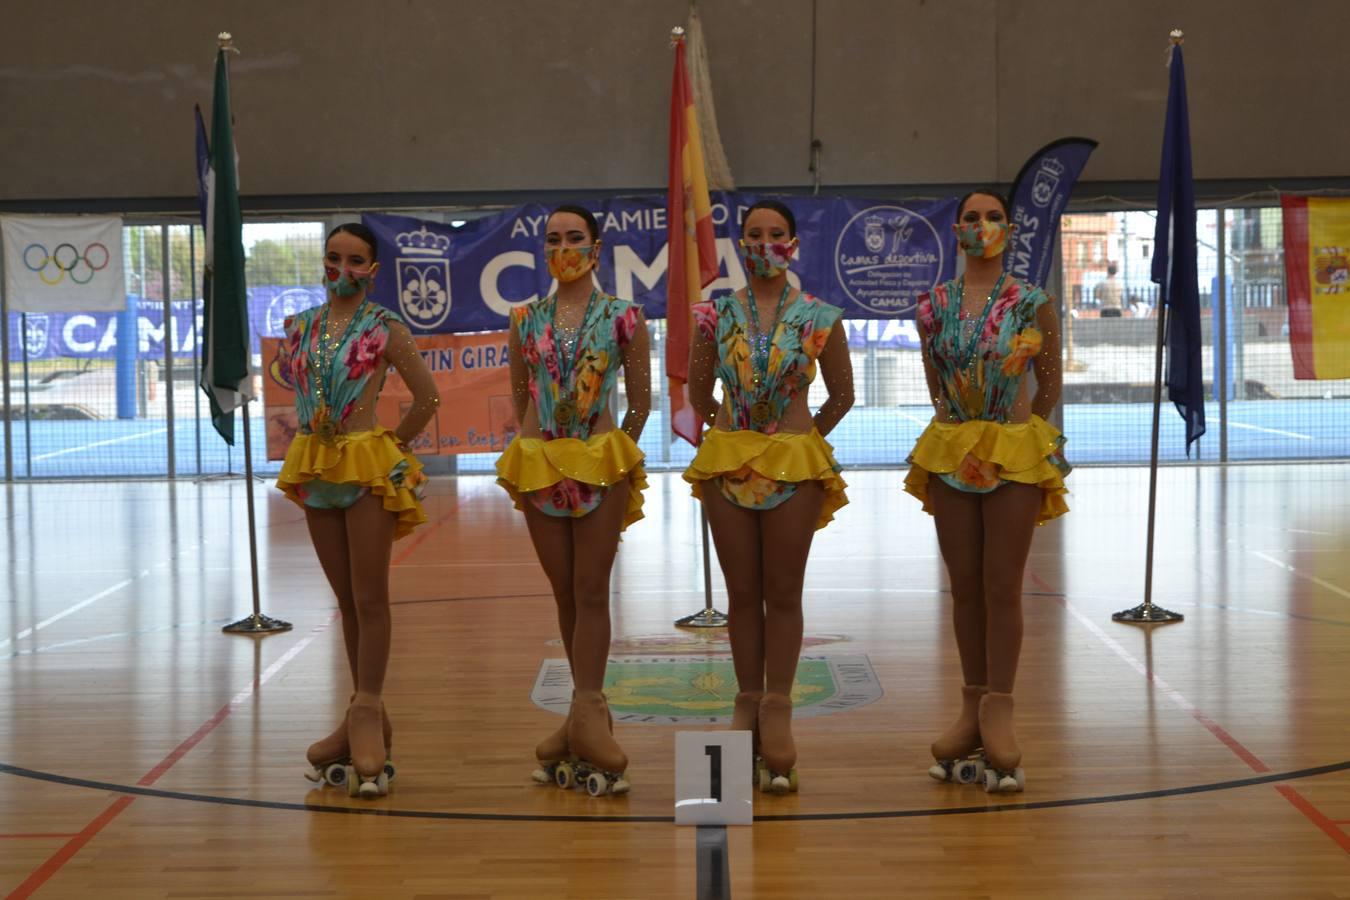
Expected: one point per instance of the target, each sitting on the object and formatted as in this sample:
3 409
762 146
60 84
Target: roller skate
778 754
366 773
596 759
745 717
1001 752
550 752
957 750
329 757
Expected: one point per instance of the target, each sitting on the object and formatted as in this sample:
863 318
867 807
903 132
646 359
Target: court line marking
994 806
81 449
1297 574
43 873
70 610
1297 800
1292 434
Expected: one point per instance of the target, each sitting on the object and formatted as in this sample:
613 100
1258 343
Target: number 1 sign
713 778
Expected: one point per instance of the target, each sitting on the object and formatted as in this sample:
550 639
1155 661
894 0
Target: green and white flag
227 372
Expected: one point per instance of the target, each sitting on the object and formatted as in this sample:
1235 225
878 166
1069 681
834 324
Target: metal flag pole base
1147 614
257 624
707 617
704 618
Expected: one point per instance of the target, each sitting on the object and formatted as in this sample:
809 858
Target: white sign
713 778
63 263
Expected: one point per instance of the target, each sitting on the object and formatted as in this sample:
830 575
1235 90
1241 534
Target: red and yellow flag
1317 275
691 247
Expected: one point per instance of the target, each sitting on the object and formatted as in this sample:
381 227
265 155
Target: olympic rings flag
63 263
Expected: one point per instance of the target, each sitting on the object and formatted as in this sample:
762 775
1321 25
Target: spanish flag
1317 275
692 249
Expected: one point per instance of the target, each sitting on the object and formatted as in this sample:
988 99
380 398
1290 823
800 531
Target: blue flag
1038 196
1174 263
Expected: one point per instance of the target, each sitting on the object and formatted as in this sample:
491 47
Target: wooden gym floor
144 754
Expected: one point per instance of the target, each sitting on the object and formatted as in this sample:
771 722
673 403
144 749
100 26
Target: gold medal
761 413
564 413
324 428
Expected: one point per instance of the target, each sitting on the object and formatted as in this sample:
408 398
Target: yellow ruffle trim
785 456
1022 452
534 464
367 458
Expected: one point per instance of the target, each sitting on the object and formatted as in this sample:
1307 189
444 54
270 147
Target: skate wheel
335 774
352 781
968 771
990 781
565 776
792 780
389 770
763 779
596 784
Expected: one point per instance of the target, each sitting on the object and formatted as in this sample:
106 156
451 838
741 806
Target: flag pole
257 623
707 617
1146 613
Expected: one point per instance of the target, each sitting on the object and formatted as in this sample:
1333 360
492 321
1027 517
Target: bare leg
552 539
370 534
595 539
785 540
1009 521
735 534
960 531
328 531
590 729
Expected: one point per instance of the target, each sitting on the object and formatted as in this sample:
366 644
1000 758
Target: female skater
576 477
989 468
764 473
357 482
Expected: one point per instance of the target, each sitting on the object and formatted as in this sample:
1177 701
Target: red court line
422 535
1302 804
1251 759
73 846
58 859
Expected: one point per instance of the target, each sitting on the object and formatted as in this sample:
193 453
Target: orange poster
471 371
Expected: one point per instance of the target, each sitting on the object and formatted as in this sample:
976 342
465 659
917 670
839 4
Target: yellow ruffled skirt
985 454
602 460
372 459
780 457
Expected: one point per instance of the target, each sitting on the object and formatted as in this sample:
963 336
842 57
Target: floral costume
753 463
340 454
980 382
568 470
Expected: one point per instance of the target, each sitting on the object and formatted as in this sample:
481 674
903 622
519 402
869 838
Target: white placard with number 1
713 783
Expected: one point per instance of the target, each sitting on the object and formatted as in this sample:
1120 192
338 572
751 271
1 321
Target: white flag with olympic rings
63 263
